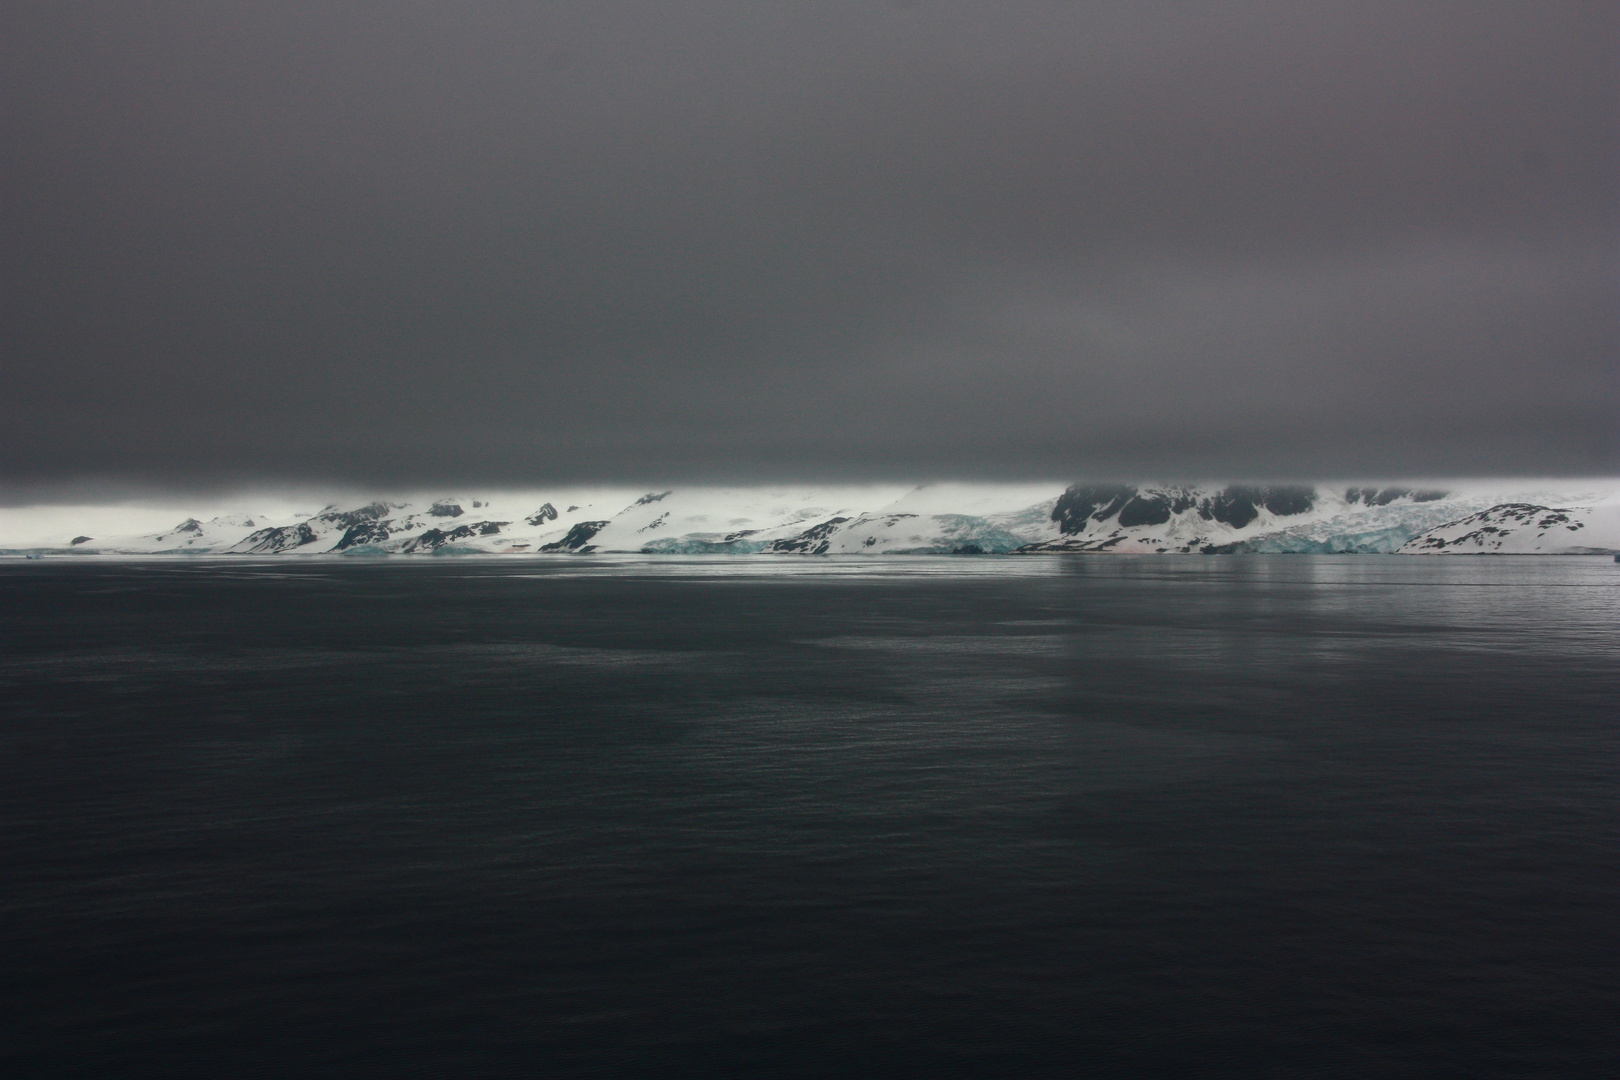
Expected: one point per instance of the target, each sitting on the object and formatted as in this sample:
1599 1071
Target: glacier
1471 517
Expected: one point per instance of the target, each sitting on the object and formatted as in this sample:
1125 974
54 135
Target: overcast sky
404 243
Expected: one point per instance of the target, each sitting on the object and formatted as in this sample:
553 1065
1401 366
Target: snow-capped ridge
1525 529
1161 518
967 519
1373 496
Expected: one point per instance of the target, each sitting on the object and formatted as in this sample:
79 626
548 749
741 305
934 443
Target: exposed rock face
1487 529
1525 529
434 539
274 540
345 519
1384 496
906 533
578 538
1234 507
1172 518
363 532
1238 505
1288 501
1080 503
934 519
1145 510
813 541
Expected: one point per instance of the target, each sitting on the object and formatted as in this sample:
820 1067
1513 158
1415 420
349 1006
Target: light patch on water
1010 645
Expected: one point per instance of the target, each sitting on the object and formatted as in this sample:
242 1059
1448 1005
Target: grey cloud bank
417 244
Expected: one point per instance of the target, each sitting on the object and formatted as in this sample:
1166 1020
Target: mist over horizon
757 541
306 498
406 247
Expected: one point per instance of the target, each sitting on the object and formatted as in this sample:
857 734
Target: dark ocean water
1280 816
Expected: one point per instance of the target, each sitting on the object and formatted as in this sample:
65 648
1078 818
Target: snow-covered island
1409 519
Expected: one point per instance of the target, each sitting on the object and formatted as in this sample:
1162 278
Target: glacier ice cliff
962 519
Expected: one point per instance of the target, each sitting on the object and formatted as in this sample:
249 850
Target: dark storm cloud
397 242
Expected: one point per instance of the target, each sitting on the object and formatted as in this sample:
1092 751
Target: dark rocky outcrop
363 532
434 539
446 509
813 541
578 538
1082 503
651 497
345 519
1494 524
1235 506
1238 505
77 540
546 513
277 539
428 541
1384 496
1288 501
1145 510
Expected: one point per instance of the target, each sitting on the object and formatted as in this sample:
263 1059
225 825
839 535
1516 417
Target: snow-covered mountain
933 519
1525 529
